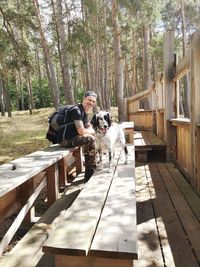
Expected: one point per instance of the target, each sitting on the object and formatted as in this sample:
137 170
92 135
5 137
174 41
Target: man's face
88 102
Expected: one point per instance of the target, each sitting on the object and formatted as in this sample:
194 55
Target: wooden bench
22 180
99 229
28 251
147 142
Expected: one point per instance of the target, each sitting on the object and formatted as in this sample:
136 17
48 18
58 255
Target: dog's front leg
126 154
110 160
100 162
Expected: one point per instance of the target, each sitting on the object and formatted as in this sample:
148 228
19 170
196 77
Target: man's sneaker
88 174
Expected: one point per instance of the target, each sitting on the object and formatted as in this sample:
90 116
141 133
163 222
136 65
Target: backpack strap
65 125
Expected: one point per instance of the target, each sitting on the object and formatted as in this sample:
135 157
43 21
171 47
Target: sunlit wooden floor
168 218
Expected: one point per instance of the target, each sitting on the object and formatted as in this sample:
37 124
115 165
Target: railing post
169 89
195 109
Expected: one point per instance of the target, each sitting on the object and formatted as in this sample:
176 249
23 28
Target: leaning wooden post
168 75
195 109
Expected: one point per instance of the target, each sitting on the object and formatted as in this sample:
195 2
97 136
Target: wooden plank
191 197
74 234
150 251
180 248
71 261
139 95
28 251
28 166
189 221
116 234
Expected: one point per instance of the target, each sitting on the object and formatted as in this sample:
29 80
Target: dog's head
101 121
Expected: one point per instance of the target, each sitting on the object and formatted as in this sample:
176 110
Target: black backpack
58 124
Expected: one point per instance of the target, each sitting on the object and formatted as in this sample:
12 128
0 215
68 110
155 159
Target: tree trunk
133 65
98 88
17 90
66 72
106 90
30 95
147 76
6 94
42 102
48 63
118 62
21 90
2 105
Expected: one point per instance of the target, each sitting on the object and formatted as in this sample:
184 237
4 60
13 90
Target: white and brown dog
108 136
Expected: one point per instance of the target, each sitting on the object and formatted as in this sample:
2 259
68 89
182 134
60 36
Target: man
81 133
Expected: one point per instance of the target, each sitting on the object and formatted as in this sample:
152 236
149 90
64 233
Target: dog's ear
94 121
109 118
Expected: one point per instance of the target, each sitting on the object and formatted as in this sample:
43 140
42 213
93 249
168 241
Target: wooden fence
161 114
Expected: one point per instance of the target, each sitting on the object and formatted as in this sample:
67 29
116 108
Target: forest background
51 51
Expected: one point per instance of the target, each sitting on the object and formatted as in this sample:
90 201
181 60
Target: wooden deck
148 146
168 221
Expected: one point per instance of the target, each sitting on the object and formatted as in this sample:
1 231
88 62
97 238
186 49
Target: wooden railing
181 135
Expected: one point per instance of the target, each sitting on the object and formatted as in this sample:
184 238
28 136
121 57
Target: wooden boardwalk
168 218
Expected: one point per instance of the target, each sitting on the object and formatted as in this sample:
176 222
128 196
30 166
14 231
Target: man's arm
82 130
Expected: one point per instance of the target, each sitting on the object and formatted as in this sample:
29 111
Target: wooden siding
183 146
142 120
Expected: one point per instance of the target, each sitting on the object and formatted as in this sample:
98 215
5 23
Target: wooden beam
182 68
195 108
139 95
62 165
71 261
52 183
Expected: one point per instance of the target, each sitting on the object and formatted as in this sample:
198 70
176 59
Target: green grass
23 134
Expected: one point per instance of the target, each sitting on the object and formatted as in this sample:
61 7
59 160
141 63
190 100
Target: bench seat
22 180
100 227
